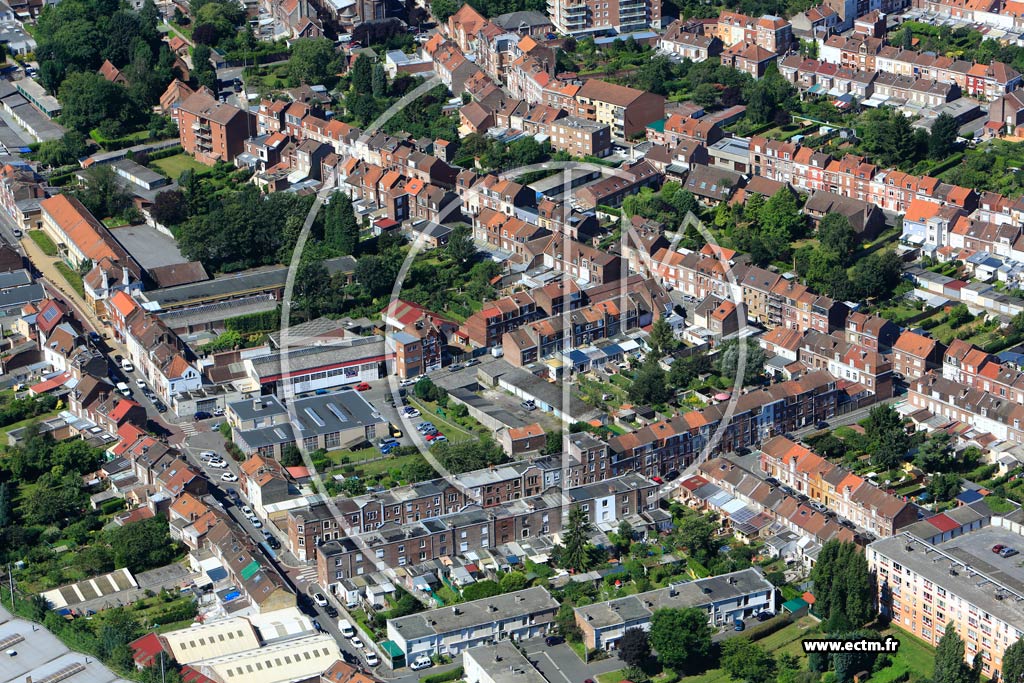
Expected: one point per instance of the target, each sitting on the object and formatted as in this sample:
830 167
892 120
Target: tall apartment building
213 131
926 584
626 110
579 17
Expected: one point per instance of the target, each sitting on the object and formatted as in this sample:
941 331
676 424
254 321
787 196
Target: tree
843 587
681 637
460 248
577 535
142 545
513 581
887 438
649 385
465 456
376 273
836 235
949 658
662 338
442 9
380 80
65 150
311 60
935 454
943 487
1013 662
362 75
746 661
291 456
705 95
202 68
169 207
88 100
341 228
634 647
697 534
552 442
481 589
728 356
5 505
942 141
102 192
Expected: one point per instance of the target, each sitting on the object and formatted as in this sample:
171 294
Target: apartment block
213 131
580 137
726 598
626 110
580 17
926 585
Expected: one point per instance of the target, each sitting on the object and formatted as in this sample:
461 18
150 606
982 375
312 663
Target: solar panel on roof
49 314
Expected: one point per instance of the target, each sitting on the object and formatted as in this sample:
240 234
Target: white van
345 626
124 389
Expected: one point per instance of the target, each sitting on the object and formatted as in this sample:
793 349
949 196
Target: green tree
376 273
88 100
442 9
697 534
65 150
5 505
102 192
513 581
1013 662
202 68
481 589
465 456
552 442
311 60
681 637
341 228
949 658
836 235
634 647
575 554
942 140
728 357
944 487
362 75
662 338
747 661
649 386
460 248
935 454
142 545
380 80
843 587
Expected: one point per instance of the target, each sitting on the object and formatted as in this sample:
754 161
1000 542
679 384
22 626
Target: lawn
174 166
44 242
27 421
914 656
73 278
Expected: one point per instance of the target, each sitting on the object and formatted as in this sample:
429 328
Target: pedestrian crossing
189 429
307 575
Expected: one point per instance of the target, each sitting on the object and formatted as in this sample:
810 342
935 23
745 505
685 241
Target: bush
109 507
443 677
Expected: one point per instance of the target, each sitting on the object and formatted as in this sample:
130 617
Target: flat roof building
726 598
501 662
451 630
956 579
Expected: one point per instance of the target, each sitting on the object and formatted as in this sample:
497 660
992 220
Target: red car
363 386
431 437
658 480
998 548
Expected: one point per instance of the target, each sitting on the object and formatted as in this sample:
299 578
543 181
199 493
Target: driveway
559 663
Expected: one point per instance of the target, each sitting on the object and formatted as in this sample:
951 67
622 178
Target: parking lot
975 550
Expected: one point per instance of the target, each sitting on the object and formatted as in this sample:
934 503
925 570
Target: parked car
141 384
218 464
229 477
657 480
672 476
409 411
472 362
160 407
434 436
319 599
356 643
201 415
455 367
396 433
765 615
247 511
408 381
438 438
528 405
553 640
208 455
387 448
1008 552
424 427
331 612
998 548
371 658
821 424
738 625
421 662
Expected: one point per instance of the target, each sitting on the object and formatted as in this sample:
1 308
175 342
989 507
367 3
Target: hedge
445 676
255 322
